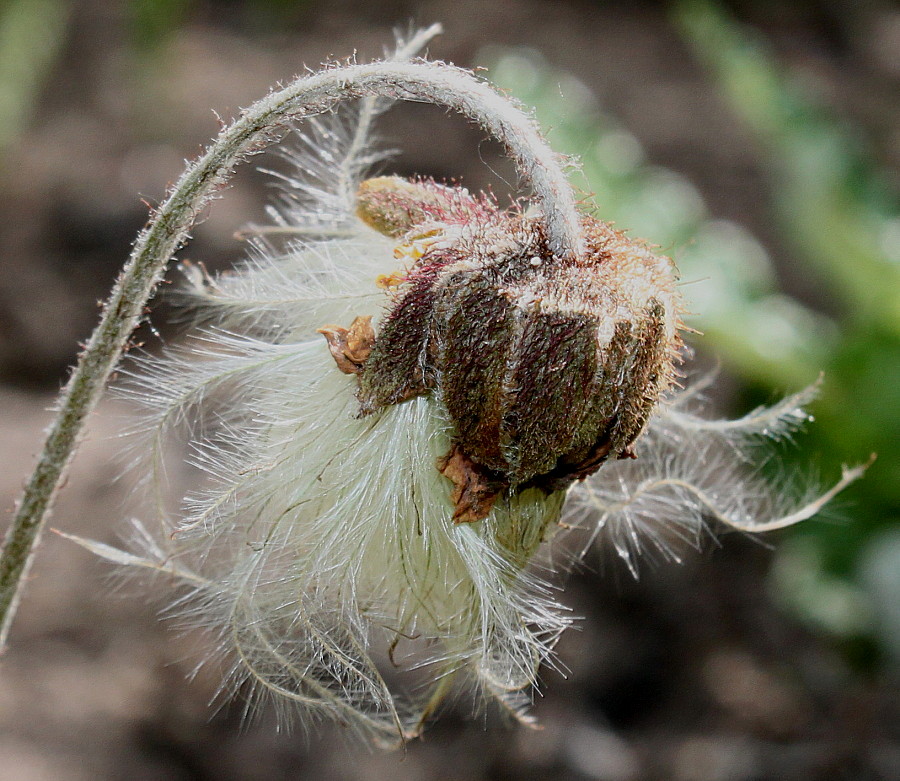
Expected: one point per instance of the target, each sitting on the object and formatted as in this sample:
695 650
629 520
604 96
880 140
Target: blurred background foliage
31 34
838 214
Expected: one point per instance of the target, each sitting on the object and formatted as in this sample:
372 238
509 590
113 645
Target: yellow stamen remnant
388 281
417 245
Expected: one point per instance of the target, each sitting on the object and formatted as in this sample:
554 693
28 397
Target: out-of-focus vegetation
841 220
31 34
154 21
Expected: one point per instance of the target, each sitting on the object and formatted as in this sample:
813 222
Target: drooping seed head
548 366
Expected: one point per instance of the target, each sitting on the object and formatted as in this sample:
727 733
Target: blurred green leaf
31 35
833 206
731 284
153 21
839 217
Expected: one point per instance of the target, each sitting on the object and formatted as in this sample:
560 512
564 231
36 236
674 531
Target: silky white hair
318 546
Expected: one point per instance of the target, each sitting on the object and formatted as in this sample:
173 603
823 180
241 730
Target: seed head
374 506
548 366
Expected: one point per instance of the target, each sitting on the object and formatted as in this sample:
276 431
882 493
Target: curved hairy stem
257 127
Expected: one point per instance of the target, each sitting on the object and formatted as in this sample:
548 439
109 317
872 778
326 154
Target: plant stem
257 127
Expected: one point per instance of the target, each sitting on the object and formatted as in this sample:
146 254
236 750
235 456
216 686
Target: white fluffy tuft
318 546
694 476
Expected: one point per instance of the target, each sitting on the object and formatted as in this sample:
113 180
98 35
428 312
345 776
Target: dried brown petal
474 489
350 347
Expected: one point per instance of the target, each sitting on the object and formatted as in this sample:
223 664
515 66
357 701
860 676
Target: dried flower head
547 366
392 404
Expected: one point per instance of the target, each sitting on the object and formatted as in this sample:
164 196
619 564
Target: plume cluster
323 547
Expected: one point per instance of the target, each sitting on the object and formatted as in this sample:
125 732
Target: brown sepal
475 489
350 347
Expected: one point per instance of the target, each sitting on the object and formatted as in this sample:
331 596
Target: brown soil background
690 673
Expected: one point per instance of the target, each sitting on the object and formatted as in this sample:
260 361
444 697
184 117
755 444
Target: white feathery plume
317 534
319 545
695 476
